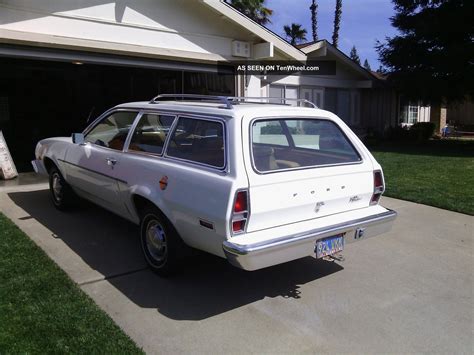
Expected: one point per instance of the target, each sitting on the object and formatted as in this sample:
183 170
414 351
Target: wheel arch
49 164
140 203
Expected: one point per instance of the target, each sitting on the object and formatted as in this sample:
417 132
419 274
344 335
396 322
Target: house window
412 114
409 112
284 92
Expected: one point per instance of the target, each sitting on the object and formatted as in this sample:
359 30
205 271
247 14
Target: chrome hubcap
156 240
57 187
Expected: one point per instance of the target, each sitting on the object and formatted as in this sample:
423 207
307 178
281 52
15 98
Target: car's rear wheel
61 193
161 244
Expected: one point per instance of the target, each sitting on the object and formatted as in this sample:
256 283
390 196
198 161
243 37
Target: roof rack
257 100
228 101
191 97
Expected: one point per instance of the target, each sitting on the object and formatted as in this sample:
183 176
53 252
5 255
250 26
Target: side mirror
78 138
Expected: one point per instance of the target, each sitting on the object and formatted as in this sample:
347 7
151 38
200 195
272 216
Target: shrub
422 131
397 133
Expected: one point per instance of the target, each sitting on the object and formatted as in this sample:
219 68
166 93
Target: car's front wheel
161 244
61 193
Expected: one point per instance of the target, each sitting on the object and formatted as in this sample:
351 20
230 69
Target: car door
94 168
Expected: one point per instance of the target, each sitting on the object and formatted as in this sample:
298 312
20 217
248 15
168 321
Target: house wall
339 93
461 114
379 109
173 25
253 87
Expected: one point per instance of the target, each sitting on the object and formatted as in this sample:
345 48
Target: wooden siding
379 109
461 113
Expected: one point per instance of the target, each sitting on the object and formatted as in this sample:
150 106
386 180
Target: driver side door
91 167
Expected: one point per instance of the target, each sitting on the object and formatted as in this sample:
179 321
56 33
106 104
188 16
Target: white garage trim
44 40
35 53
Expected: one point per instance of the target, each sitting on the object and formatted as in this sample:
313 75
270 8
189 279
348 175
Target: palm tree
255 9
314 19
337 23
295 33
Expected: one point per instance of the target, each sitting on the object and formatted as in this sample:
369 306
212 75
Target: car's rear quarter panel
285 197
194 193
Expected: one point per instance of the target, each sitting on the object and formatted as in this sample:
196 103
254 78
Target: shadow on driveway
207 287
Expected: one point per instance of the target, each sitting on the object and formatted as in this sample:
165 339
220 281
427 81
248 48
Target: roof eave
259 30
341 56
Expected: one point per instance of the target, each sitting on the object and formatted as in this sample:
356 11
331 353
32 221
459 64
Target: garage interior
44 97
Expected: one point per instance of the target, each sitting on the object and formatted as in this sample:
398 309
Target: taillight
240 204
240 212
379 187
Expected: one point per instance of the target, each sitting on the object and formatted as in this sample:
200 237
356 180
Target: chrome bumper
276 251
39 167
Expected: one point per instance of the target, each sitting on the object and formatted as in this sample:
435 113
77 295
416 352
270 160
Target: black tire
61 193
162 247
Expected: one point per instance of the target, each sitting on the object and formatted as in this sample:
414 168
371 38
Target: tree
381 70
295 33
354 56
432 56
255 9
367 65
314 19
337 23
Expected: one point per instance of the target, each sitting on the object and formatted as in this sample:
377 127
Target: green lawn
42 310
437 173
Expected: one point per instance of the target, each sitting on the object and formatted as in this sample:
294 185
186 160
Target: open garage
50 93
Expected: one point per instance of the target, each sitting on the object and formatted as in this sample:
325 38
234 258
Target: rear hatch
304 169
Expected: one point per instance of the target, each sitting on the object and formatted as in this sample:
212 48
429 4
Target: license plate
329 246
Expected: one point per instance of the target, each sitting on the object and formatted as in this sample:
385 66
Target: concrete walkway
410 290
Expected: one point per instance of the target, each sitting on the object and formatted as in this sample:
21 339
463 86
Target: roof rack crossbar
228 101
191 97
269 99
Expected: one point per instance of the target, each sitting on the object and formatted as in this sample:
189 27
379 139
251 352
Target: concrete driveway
410 290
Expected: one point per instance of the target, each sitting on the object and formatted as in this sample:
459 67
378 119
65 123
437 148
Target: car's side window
151 132
197 140
112 131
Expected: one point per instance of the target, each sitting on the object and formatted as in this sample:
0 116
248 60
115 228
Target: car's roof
218 109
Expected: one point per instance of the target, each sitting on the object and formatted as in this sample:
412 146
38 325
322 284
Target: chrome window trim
223 168
277 118
132 129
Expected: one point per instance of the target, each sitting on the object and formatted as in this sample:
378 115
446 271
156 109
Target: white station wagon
257 183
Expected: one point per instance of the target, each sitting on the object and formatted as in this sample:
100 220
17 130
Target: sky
362 22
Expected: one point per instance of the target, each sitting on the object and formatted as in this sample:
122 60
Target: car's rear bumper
254 256
39 167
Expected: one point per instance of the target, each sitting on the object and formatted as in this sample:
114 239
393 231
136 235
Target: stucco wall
170 24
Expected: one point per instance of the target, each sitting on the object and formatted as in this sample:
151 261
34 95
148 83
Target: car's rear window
279 144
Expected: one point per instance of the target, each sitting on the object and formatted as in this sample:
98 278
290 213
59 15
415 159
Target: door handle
111 161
